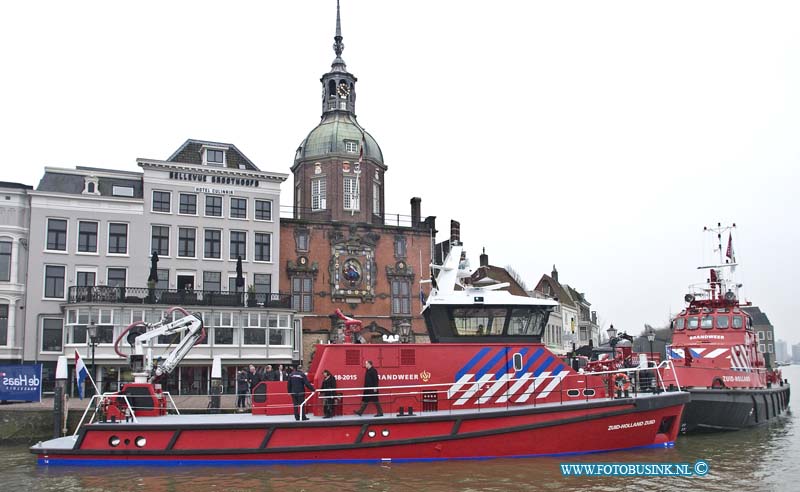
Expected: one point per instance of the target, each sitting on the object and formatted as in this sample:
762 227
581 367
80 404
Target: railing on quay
177 297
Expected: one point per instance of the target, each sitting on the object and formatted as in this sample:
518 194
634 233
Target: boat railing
480 394
97 407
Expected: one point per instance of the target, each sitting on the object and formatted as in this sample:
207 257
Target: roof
72 182
501 275
328 138
757 315
191 152
19 186
556 289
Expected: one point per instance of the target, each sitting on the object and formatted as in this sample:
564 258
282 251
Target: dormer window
90 186
214 156
350 146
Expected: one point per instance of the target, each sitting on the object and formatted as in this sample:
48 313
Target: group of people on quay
298 383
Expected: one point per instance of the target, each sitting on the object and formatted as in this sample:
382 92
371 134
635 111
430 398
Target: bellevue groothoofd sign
21 383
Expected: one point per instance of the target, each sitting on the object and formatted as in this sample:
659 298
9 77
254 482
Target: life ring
622 382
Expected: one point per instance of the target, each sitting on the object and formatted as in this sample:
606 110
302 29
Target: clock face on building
343 90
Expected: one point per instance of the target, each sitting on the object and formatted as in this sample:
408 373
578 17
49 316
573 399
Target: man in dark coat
242 390
328 393
371 390
297 384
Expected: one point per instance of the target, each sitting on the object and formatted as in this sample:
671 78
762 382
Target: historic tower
338 169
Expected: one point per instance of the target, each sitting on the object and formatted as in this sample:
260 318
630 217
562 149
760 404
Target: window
117 239
87 237
159 242
223 328
52 335
162 201
4 324
376 198
85 279
769 335
186 240
762 348
213 206
162 279
399 247
279 330
54 281
238 208
350 146
215 157
301 240
318 193
238 245
262 282
737 322
213 244
188 204
56 235
761 336
352 196
680 324
116 277
722 322
212 281
401 297
263 246
255 330
707 322
693 323
263 210
122 191
232 283
5 261
301 294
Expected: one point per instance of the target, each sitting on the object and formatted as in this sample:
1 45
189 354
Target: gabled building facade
14 244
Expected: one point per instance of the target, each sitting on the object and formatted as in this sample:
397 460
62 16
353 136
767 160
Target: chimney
455 232
554 273
484 258
416 211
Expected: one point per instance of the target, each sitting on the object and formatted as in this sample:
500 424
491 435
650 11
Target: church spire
338 45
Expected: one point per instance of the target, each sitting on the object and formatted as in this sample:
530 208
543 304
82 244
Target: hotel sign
214 179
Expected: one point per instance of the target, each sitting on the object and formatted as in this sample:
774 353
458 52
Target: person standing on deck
242 390
370 391
329 393
298 382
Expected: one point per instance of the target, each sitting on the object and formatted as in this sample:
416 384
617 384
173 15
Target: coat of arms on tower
352 267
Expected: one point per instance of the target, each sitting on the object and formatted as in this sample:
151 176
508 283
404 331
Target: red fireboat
484 387
717 357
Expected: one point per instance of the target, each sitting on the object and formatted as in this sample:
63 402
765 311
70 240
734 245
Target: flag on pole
421 296
729 251
81 373
361 149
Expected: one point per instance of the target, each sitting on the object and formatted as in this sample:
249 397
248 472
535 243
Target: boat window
722 322
517 361
680 324
693 322
737 322
479 321
527 321
707 322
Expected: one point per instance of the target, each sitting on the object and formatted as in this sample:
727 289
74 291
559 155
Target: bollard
59 400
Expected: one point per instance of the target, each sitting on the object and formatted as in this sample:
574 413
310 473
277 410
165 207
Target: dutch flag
81 373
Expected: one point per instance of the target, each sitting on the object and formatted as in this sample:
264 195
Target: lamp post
405 331
91 340
651 336
612 340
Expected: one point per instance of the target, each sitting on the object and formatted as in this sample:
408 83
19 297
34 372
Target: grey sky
599 136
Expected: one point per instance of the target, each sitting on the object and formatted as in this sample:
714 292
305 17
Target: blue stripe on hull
170 462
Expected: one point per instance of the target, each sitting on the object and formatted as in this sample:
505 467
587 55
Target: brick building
339 248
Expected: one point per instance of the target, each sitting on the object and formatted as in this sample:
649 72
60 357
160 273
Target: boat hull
536 430
732 409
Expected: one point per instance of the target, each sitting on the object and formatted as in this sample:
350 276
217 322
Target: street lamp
405 331
651 336
612 340
91 340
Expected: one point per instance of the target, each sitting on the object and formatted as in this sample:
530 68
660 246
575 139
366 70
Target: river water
765 458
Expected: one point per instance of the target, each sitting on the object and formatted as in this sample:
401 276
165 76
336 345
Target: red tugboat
485 387
717 358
